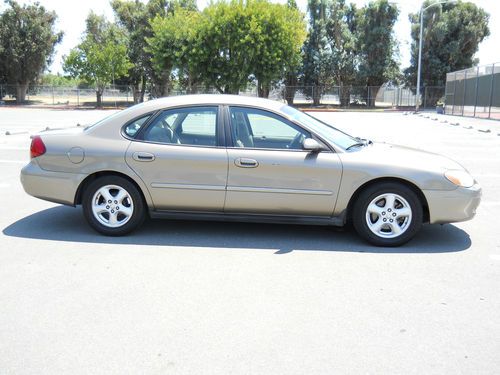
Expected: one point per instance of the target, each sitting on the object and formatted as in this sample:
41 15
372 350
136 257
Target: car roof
212 99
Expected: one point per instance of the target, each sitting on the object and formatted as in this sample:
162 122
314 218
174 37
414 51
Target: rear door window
195 126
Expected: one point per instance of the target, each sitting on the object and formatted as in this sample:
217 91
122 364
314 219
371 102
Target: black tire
133 203
366 223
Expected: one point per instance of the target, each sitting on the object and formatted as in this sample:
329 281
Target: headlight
459 178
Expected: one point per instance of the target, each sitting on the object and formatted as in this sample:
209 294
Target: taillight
37 147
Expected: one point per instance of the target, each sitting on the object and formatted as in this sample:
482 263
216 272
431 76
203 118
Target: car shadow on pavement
63 223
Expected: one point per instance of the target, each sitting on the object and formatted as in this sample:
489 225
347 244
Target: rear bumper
55 187
454 205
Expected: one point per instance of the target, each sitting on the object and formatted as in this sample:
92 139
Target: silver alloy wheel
388 215
112 206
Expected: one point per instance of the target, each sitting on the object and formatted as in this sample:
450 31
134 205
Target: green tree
229 44
293 71
226 56
175 46
135 16
2 74
27 40
330 50
451 36
342 35
376 44
100 57
278 32
317 69
49 79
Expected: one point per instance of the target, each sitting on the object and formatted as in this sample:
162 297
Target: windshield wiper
361 143
356 145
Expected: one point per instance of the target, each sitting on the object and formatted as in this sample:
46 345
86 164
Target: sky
72 15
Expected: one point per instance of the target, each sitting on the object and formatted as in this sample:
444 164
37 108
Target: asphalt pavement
185 297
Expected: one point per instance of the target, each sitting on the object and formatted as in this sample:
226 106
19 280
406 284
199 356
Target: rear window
134 126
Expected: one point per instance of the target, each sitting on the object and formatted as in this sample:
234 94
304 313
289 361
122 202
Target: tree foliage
317 68
278 32
377 46
347 46
293 71
162 44
27 42
342 33
174 45
100 57
134 17
330 50
226 56
49 79
229 44
451 36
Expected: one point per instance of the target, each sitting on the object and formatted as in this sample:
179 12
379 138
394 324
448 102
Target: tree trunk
165 84
290 87
165 89
136 92
371 102
290 94
21 89
231 90
263 89
99 98
263 92
345 96
189 86
143 89
160 84
316 95
372 92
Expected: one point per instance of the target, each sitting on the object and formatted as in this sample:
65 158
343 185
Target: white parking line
486 175
14 161
13 148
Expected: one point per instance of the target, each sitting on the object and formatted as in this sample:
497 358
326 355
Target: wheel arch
96 175
412 186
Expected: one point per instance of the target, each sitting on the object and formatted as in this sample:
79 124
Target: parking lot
181 297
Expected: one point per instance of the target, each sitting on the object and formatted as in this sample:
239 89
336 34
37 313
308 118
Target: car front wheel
387 214
113 206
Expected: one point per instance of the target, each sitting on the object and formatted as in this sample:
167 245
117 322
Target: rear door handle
246 163
143 156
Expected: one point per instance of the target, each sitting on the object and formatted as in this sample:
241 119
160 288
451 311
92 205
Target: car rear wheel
113 206
387 214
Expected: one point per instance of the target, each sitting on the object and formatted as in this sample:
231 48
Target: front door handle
143 156
246 163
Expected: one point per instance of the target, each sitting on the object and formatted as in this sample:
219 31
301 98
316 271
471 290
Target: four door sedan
222 157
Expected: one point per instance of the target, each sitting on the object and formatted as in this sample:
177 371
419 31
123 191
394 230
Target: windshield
324 130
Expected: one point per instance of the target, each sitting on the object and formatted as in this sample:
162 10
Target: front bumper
55 187
453 205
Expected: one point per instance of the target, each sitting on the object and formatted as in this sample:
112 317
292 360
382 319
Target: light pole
419 66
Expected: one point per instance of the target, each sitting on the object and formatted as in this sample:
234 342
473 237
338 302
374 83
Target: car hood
379 160
402 156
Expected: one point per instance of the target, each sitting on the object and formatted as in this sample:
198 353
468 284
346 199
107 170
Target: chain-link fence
69 96
321 96
474 92
358 96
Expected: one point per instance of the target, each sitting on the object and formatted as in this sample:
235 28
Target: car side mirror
312 145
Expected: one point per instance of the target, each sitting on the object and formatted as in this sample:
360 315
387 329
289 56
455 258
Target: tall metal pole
419 69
